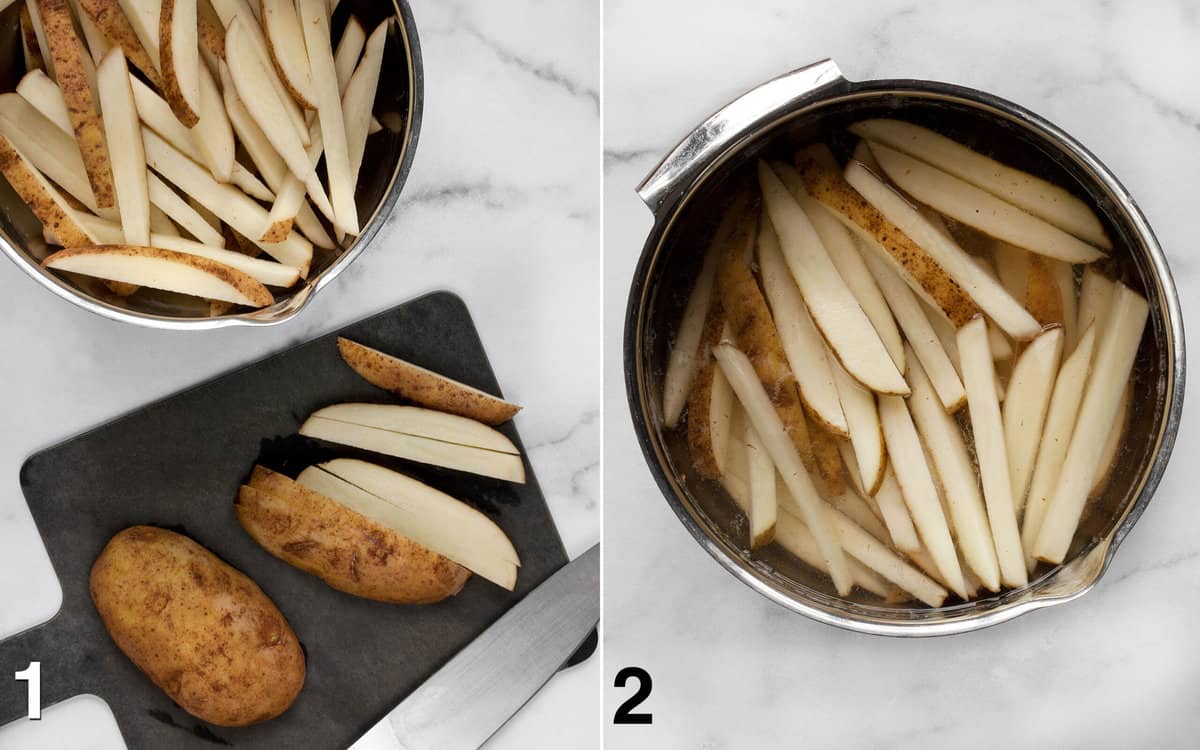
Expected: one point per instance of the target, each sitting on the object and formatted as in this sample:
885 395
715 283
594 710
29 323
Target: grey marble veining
1119 667
502 207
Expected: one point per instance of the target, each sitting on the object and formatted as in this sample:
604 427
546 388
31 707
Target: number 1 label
33 675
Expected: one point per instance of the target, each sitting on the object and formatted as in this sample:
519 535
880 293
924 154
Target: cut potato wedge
358 98
857 510
37 89
802 342
761 413
920 334
926 277
1040 198
285 41
950 458
794 536
1043 298
1064 278
112 22
179 58
962 201
31 48
250 76
987 428
40 43
233 206
834 309
920 493
124 134
1112 446
890 499
163 269
268 272
181 212
349 49
764 506
431 438
1056 437
1096 296
1012 267
1025 404
69 70
56 215
53 152
424 387
430 518
986 291
420 422
329 108
866 434
1117 349
686 353
711 402
283 211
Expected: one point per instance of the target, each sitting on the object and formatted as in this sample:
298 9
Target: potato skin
424 387
202 631
345 549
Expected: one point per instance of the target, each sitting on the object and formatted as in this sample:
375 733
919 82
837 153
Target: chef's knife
467 700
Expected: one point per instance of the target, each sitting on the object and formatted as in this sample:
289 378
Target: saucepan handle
671 178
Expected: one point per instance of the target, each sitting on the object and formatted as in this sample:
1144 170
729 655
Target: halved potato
342 547
419 435
163 269
1037 196
836 312
1110 374
56 215
962 201
430 518
926 277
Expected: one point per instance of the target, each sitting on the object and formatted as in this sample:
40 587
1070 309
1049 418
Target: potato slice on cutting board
342 547
1035 195
948 450
987 427
421 435
1056 438
1025 404
421 513
423 386
834 309
985 290
163 269
1114 358
922 273
962 201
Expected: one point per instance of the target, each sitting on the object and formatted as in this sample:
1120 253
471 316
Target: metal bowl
386 165
685 192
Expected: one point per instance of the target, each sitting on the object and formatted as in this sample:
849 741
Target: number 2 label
33 676
625 713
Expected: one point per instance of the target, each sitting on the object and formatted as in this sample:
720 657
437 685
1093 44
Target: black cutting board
178 463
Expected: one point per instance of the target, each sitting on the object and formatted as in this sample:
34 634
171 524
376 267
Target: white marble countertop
1117 668
501 208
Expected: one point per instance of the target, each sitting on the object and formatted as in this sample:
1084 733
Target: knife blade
477 691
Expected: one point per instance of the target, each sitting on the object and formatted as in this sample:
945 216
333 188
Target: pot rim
1090 565
299 299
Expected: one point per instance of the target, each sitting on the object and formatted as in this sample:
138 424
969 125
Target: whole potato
345 549
200 630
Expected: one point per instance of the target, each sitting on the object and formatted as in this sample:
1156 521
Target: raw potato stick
67 53
710 403
112 22
285 41
1096 295
952 461
97 45
1043 298
876 556
358 99
50 150
1025 406
31 48
179 58
920 493
833 307
1110 373
37 89
920 334
866 434
1064 277
1056 437
802 342
794 536
329 108
125 145
828 461
987 293
182 213
763 503
857 510
890 500
39 33
1112 446
47 205
761 412
988 430
1038 197
922 273
962 201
